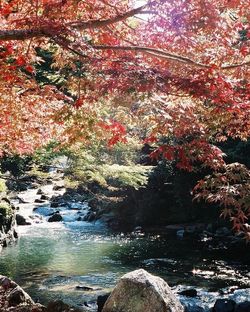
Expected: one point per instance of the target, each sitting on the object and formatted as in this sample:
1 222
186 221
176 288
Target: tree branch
166 55
153 52
45 31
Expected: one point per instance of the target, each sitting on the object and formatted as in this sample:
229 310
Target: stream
53 260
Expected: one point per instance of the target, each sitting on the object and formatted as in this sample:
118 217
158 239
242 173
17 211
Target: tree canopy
181 66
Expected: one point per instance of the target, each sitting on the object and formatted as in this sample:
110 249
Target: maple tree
185 62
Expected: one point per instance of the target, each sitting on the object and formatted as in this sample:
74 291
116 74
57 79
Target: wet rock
60 306
6 200
139 291
58 187
101 301
18 296
189 292
56 217
86 288
180 233
91 216
224 305
20 220
21 186
44 197
40 192
39 201
54 204
243 307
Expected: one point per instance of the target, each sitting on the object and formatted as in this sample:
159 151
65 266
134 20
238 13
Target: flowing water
51 259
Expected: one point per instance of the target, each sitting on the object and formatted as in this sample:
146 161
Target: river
51 259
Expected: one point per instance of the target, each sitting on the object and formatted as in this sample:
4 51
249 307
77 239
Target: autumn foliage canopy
182 68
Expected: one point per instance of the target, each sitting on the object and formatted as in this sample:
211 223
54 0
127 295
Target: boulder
139 291
20 220
56 217
243 307
224 305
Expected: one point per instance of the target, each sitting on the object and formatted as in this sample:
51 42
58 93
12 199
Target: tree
195 54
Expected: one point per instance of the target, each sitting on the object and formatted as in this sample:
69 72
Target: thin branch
153 52
166 55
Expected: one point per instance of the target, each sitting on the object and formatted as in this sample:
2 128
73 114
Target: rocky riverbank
8 233
137 291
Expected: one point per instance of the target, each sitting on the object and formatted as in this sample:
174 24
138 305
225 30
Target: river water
51 259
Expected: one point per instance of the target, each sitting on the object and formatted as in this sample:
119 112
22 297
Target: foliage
48 155
112 175
15 164
230 189
3 187
182 67
5 209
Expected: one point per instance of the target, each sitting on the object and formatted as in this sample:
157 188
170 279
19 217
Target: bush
5 209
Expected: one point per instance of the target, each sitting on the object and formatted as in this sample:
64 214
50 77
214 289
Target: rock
101 301
6 283
56 217
180 233
224 305
18 296
40 192
85 288
39 201
45 197
54 204
21 186
243 307
139 291
58 187
20 220
91 216
6 200
189 292
60 306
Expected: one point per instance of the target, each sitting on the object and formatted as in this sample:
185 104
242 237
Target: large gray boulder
140 291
